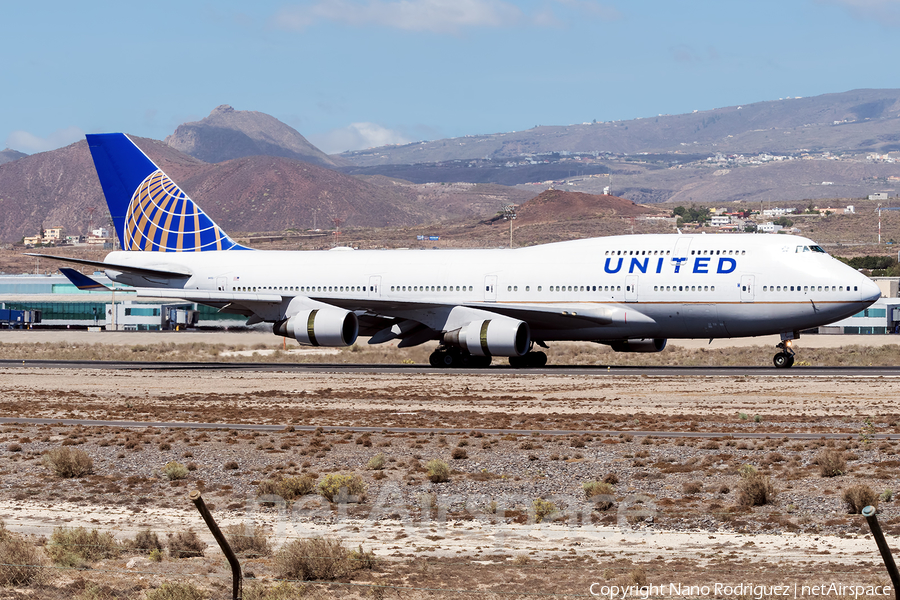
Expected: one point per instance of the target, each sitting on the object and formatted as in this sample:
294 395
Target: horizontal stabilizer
168 273
81 281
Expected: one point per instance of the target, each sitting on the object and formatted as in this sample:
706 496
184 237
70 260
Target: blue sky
350 74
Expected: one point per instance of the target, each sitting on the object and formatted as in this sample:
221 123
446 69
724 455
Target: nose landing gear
785 358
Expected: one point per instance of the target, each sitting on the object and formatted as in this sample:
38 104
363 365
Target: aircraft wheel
537 359
783 360
436 359
518 362
479 362
790 360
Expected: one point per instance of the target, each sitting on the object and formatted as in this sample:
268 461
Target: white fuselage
686 286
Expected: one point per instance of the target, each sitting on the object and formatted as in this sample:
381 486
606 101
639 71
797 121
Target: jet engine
320 327
639 345
492 337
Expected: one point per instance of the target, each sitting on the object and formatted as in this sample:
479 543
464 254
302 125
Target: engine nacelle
639 345
320 327
492 337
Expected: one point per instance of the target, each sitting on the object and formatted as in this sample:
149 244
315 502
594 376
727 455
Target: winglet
82 282
149 210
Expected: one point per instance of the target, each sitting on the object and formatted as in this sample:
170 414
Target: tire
435 360
537 359
790 361
518 362
782 360
448 360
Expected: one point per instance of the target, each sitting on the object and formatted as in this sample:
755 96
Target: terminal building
61 304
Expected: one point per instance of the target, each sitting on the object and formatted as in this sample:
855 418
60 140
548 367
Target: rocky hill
227 134
10 155
558 205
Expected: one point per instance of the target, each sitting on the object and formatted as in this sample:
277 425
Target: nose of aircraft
869 290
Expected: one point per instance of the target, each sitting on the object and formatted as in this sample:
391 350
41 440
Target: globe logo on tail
162 218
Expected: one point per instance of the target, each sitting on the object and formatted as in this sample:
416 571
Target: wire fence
75 563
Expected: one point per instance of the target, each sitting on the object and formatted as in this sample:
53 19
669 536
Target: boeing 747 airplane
631 292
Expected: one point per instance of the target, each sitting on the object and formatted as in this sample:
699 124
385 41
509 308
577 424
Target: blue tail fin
149 211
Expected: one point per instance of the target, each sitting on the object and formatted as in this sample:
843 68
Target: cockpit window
809 249
817 249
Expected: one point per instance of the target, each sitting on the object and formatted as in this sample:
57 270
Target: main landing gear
529 360
450 358
785 358
454 358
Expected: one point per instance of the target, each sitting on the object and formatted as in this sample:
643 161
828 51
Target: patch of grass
316 559
376 463
543 509
23 563
68 462
146 541
857 497
832 463
248 540
186 544
176 591
174 471
438 471
71 547
342 487
755 489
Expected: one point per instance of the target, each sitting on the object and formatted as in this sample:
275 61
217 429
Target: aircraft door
490 288
746 288
375 286
222 284
631 293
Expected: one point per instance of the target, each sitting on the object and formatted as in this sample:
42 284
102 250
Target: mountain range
252 172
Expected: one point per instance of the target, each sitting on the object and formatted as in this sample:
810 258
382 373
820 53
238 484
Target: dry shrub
857 497
692 487
601 493
438 471
174 471
314 559
342 487
67 462
186 544
248 540
176 591
755 489
376 463
459 454
21 562
146 541
543 509
72 547
283 590
288 488
832 463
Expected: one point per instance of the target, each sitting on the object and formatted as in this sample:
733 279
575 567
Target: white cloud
29 143
435 16
887 12
357 136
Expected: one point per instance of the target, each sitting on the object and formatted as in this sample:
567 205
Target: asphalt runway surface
638 371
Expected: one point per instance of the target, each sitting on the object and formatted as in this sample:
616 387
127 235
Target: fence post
869 513
236 578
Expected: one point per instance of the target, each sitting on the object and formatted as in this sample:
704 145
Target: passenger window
712 288
539 288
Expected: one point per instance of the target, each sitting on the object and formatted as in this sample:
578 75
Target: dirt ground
676 515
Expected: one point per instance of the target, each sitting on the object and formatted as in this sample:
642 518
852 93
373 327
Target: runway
346 368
